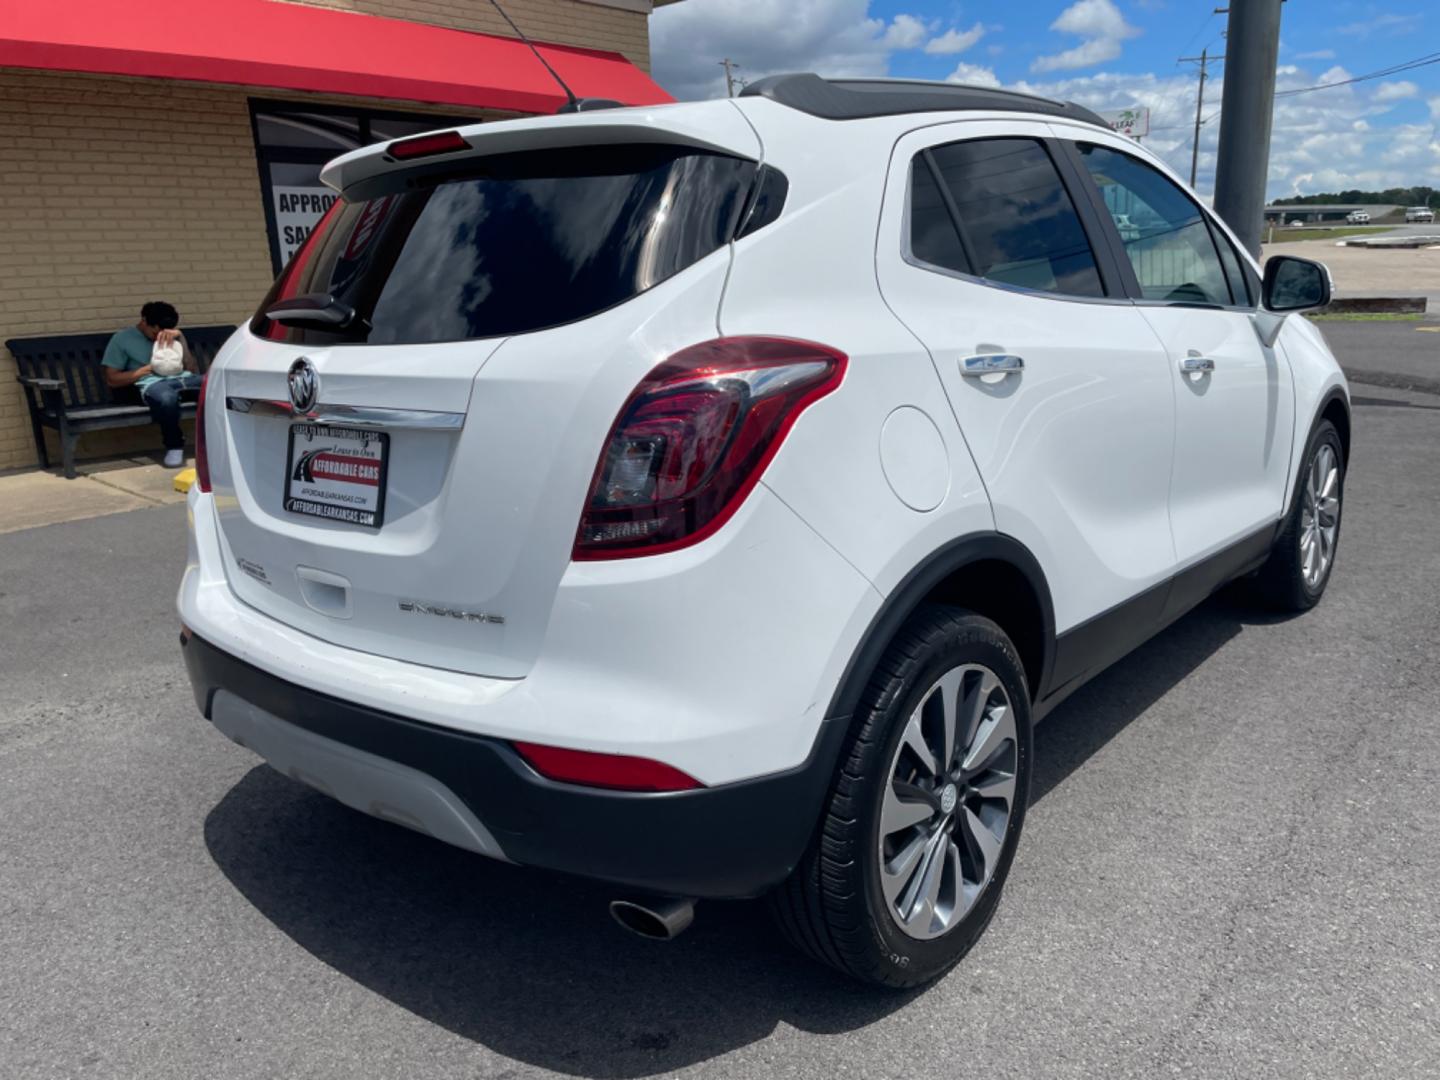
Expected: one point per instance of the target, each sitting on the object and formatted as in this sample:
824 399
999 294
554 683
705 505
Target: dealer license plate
337 473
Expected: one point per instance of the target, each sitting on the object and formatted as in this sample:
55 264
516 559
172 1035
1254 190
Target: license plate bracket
337 473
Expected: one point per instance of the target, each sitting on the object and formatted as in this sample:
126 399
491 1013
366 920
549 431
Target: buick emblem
304 385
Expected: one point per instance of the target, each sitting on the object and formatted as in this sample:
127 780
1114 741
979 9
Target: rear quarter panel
812 275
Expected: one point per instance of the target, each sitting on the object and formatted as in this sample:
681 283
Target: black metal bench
65 386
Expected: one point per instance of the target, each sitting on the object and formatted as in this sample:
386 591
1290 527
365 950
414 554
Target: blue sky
1107 54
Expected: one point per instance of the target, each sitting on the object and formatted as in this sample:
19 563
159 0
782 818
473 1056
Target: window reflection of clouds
439 273
486 256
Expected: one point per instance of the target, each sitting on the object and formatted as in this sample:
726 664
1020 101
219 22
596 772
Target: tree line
1405 196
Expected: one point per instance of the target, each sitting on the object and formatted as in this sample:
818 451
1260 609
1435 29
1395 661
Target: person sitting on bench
127 363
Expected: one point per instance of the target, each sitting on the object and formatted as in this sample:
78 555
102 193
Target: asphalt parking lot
1231 868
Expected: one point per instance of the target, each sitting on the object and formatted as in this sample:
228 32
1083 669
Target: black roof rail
858 99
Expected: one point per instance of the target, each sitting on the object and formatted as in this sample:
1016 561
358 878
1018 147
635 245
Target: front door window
1165 234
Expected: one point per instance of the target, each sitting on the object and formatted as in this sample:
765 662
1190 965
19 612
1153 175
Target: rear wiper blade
315 308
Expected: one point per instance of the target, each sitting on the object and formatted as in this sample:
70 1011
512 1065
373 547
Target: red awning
291 47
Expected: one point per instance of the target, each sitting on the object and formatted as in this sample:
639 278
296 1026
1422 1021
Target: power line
1408 65
1191 40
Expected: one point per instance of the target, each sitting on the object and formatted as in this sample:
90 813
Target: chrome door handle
1195 365
990 364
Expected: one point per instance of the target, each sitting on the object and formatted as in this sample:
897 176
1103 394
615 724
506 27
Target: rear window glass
516 243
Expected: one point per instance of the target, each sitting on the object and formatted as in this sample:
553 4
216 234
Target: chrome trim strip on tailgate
350 415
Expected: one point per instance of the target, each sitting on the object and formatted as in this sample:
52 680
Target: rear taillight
441 142
617 771
694 438
202 459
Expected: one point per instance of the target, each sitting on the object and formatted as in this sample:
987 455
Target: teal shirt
128 350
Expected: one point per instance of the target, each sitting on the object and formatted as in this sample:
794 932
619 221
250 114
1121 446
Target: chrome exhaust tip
660 918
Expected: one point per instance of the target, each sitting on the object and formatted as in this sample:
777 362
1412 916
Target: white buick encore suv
709 498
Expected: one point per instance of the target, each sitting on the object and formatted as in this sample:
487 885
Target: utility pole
730 80
1204 60
1247 111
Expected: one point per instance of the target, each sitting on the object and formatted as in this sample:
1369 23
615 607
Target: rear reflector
441 142
615 771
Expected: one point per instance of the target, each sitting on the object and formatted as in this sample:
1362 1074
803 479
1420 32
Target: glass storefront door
293 142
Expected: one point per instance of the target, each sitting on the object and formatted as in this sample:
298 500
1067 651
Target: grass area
1368 316
1290 236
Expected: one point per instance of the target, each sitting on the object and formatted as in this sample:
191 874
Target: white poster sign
1133 122
297 211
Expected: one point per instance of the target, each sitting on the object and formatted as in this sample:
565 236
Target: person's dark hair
161 315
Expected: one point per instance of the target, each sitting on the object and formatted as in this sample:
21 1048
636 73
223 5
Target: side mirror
1293 284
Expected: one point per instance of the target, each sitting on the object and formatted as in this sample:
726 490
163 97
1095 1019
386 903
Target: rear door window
512 243
1014 221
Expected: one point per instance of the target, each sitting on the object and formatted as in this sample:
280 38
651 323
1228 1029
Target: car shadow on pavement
529 964
1103 707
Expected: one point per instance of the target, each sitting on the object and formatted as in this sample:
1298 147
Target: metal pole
1247 110
1199 107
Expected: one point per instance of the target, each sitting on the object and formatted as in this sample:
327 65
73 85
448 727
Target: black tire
1281 583
832 906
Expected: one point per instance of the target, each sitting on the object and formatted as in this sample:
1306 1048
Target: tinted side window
933 238
1017 223
1164 232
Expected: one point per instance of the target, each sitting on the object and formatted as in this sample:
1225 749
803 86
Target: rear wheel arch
988 573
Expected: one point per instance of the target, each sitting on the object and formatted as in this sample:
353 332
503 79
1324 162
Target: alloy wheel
1319 515
948 800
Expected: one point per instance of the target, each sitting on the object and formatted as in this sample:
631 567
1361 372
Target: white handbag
167 360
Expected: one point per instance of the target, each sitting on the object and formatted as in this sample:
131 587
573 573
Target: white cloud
1086 54
1324 141
1101 27
905 32
1318 54
974 75
1093 19
1387 25
954 41
767 37
1396 91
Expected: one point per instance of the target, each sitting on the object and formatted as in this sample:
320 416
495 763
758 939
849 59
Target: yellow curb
183 479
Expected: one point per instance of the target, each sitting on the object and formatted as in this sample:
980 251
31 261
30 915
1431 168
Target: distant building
1324 212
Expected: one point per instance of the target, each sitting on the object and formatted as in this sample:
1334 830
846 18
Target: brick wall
617 27
117 191
114 191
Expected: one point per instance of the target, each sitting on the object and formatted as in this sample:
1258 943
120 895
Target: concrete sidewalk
28 499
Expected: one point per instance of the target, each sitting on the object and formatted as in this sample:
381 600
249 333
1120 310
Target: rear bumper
731 840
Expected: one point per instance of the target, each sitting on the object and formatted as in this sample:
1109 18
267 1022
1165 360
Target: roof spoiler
715 126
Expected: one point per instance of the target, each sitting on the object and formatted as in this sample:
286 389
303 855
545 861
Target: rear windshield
515 243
